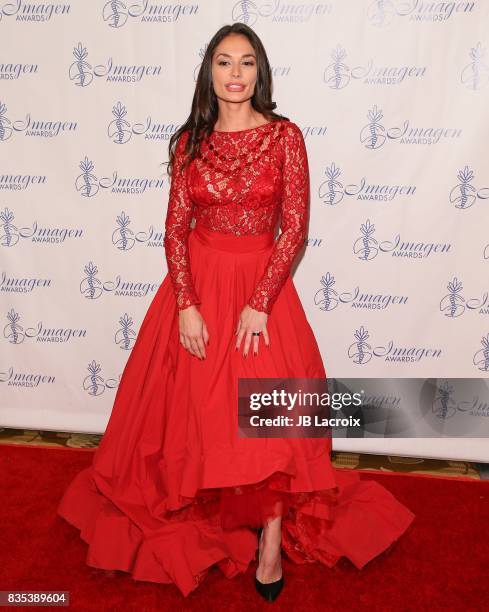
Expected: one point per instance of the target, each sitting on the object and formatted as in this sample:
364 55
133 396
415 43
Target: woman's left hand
251 320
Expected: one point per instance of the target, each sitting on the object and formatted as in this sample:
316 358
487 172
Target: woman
173 489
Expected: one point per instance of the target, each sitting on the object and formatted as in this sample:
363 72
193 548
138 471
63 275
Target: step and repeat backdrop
393 102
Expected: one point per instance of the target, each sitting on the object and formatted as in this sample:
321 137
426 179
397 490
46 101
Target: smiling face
234 69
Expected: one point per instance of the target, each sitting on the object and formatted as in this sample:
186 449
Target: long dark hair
204 111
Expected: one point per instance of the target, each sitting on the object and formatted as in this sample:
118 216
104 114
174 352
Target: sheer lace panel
177 228
242 184
294 210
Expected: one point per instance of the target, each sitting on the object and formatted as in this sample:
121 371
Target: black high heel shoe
268 590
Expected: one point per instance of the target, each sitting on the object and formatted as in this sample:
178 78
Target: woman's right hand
193 331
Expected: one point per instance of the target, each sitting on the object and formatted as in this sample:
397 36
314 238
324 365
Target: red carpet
440 563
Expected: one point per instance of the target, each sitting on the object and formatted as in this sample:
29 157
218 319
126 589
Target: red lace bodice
242 183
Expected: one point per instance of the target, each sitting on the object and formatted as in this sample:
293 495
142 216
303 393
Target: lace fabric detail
242 183
177 227
306 516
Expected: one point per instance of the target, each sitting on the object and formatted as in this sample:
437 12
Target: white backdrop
393 101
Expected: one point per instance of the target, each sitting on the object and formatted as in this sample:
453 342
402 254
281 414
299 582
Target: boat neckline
257 127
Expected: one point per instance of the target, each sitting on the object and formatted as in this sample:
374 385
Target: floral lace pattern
177 227
242 183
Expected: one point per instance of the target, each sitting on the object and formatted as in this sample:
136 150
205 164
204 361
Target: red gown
172 489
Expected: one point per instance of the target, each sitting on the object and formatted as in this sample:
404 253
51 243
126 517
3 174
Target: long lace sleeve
294 211
177 228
